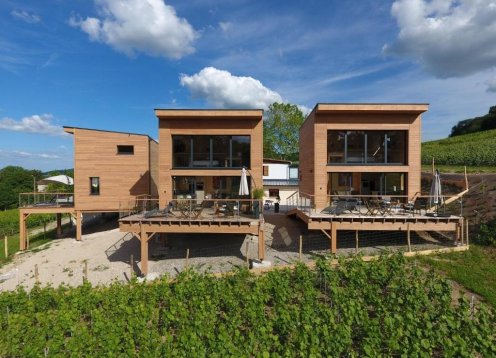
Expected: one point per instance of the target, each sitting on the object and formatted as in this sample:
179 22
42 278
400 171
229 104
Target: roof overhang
417 108
206 113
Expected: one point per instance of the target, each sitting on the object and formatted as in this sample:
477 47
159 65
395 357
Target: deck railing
392 204
46 200
194 209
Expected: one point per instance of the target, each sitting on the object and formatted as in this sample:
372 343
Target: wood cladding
207 122
121 175
313 143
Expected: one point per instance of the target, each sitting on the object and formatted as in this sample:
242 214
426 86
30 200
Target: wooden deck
330 224
144 228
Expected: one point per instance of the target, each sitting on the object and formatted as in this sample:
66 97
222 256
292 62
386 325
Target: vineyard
9 221
476 149
388 307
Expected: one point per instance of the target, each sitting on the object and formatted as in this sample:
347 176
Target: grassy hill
473 150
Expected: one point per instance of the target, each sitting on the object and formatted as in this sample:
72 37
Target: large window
366 147
210 151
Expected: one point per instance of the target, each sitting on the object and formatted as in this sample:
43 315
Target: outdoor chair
160 213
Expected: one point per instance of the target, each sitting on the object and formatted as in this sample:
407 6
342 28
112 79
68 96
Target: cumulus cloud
222 89
148 26
25 16
40 124
225 26
450 38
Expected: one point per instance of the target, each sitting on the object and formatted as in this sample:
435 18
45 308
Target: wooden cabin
109 169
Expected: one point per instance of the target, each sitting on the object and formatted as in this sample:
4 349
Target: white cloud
225 26
222 89
491 85
148 26
22 154
25 16
40 124
450 38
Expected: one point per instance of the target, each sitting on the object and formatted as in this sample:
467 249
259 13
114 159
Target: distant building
280 180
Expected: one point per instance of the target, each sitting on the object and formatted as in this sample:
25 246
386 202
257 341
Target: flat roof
70 130
161 112
276 161
371 107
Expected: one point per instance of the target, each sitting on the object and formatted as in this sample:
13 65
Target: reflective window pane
396 147
355 147
220 154
335 146
375 147
201 151
181 149
240 151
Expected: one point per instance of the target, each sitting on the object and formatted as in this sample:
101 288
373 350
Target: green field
472 150
474 269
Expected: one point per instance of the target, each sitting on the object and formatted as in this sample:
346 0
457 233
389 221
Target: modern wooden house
109 168
201 157
361 153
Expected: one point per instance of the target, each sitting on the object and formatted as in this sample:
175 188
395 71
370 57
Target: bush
487 234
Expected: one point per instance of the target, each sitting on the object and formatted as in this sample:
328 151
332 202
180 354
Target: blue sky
107 64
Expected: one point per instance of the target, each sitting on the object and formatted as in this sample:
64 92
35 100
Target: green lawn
474 269
34 242
459 169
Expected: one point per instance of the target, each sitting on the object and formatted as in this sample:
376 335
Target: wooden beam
261 244
144 252
59 225
194 229
79 225
356 241
22 230
334 235
408 238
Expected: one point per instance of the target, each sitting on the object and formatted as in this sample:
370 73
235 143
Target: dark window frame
229 162
123 149
95 190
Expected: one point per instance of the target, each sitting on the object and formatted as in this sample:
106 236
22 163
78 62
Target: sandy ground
105 253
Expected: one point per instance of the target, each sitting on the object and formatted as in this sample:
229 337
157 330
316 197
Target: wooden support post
22 231
247 250
85 270
187 259
261 244
79 225
334 238
462 230
6 244
457 233
356 241
59 225
36 274
408 237
144 253
466 237
301 247
131 266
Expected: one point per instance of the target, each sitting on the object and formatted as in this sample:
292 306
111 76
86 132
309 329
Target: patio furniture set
375 207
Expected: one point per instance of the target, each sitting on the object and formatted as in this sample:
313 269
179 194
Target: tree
15 180
282 131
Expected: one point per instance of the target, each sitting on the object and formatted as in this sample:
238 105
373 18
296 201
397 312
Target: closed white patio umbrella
243 185
436 197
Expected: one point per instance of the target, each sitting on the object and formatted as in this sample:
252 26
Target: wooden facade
207 122
315 168
121 175
125 165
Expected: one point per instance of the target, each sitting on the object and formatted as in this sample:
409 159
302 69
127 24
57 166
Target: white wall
277 171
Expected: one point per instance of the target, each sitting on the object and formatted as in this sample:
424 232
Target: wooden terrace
362 216
223 216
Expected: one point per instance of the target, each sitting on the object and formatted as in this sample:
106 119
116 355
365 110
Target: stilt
22 231
408 237
261 244
79 225
462 230
144 252
59 225
466 237
334 238
356 241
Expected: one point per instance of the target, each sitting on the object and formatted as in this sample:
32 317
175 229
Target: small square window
94 186
265 170
273 193
125 149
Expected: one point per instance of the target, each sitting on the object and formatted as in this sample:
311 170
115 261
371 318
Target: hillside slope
474 149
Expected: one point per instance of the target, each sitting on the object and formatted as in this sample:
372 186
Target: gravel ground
105 253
